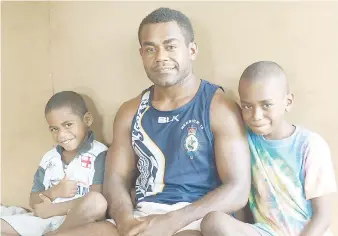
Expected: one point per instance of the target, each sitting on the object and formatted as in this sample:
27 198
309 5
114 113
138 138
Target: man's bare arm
120 166
233 164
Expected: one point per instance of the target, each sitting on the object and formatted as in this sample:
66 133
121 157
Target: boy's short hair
263 69
164 15
69 99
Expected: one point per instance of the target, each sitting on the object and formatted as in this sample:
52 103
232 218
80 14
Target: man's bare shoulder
224 104
127 110
131 105
225 115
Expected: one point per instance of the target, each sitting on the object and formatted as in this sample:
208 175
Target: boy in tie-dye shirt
292 172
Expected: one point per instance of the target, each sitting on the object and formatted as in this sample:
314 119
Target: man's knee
215 223
93 205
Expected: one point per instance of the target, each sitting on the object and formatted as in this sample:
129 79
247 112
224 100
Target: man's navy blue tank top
175 149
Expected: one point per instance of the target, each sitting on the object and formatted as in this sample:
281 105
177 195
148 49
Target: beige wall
92 48
25 87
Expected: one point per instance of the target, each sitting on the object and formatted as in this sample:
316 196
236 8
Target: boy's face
264 102
68 129
166 57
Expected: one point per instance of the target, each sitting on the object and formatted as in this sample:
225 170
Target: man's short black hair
164 15
69 99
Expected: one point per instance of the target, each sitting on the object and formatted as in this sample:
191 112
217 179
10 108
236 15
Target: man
181 139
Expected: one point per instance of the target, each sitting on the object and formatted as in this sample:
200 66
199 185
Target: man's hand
125 228
44 209
153 225
66 188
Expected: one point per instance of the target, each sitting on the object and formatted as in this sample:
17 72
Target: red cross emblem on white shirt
86 161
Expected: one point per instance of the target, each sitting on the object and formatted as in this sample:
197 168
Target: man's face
167 57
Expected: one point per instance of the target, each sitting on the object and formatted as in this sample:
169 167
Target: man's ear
193 50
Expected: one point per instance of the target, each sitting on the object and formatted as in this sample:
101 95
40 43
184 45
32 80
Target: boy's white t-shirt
87 168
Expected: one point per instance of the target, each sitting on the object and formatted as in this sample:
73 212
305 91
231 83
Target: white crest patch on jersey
191 142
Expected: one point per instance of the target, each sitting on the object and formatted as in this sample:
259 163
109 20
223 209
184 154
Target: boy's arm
36 199
319 184
39 188
62 208
46 208
66 188
321 217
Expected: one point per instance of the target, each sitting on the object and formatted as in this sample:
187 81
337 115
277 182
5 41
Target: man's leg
221 224
7 229
102 228
189 233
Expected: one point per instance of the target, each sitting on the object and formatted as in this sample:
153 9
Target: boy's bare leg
102 228
189 233
7 229
221 224
92 207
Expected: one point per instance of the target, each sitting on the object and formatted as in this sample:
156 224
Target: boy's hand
66 188
43 209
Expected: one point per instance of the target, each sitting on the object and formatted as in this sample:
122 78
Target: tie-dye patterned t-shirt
286 175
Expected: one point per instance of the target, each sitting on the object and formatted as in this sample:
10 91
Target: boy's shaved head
266 70
264 96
